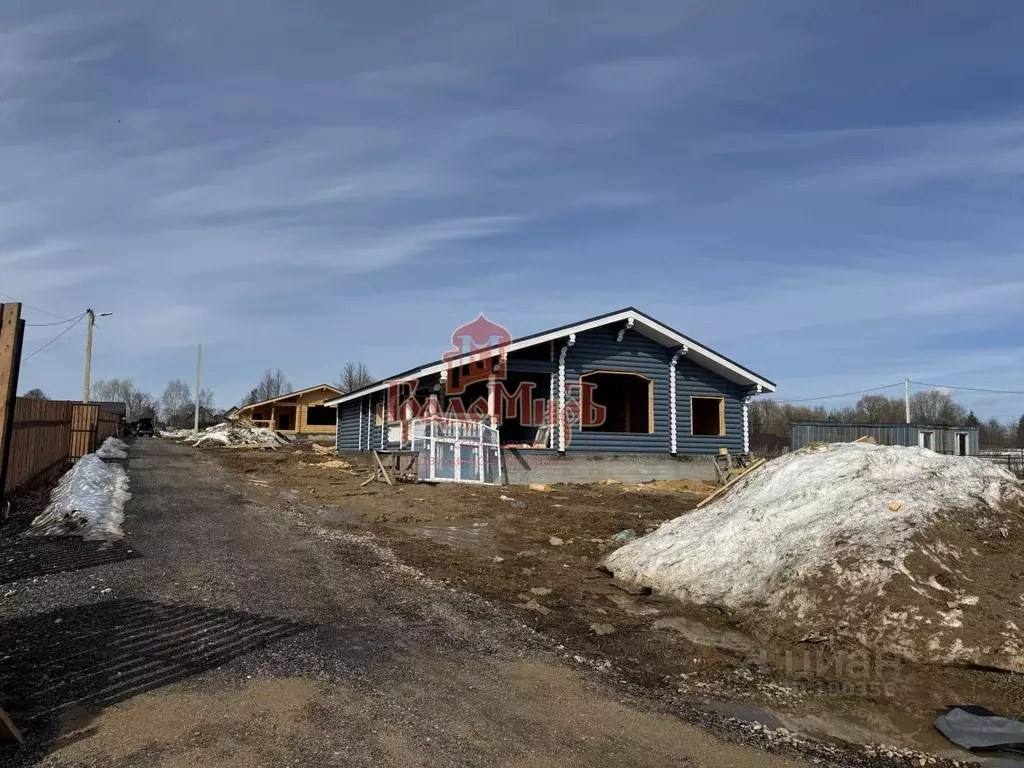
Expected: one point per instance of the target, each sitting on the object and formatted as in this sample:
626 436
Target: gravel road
225 631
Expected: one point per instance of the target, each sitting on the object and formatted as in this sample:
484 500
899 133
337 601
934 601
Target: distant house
112 406
231 413
296 413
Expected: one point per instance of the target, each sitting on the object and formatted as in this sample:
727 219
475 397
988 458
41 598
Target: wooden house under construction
301 413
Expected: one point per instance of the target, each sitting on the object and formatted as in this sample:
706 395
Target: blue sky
829 193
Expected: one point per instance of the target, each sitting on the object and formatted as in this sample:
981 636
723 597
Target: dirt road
223 633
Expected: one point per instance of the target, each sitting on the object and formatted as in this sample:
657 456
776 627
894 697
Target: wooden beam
12 329
730 484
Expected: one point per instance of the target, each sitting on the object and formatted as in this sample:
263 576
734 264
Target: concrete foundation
531 466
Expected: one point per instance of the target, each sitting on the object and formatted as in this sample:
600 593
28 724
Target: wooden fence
46 434
90 427
40 439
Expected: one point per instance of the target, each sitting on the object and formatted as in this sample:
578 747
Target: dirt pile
901 549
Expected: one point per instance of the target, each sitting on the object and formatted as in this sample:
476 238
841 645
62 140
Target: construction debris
756 465
239 433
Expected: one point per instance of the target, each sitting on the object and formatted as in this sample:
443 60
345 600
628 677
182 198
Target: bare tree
933 406
252 397
879 409
177 407
36 394
768 417
355 375
992 434
138 404
176 403
273 384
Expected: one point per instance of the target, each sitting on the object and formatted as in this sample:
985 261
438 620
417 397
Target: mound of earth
901 549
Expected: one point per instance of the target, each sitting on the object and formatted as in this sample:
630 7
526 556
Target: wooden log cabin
301 413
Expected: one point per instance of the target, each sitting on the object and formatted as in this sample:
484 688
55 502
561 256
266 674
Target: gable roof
291 394
642 323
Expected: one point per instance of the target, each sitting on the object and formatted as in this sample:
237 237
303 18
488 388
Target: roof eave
670 337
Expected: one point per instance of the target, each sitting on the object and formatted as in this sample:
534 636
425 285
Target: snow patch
802 513
88 502
113 448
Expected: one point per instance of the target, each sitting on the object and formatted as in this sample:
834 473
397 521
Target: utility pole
906 398
88 354
88 351
199 368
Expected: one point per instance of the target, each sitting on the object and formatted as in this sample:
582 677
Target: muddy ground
537 553
225 631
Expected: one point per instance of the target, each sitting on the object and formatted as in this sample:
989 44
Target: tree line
274 382
932 406
175 407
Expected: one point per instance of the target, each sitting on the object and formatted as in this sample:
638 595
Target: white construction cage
454 451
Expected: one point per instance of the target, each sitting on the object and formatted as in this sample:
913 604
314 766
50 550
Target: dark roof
111 406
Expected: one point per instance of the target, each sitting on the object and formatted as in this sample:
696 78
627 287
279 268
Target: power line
37 309
843 394
971 389
60 322
51 341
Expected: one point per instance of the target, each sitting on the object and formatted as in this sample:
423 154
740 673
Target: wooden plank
11 332
718 492
40 439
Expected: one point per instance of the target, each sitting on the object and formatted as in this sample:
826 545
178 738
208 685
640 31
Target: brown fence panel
40 439
84 421
106 426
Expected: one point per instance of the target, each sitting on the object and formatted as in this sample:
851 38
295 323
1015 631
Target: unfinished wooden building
301 413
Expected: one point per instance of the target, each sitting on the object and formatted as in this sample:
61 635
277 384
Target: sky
828 193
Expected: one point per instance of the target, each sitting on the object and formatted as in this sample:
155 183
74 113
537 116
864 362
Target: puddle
747 712
471 535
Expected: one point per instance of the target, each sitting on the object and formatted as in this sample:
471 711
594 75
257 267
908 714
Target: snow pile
898 548
177 434
113 448
240 433
88 501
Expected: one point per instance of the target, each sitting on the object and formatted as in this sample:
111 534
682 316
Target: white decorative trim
369 422
359 434
551 397
655 330
746 424
672 401
561 391
492 400
384 421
